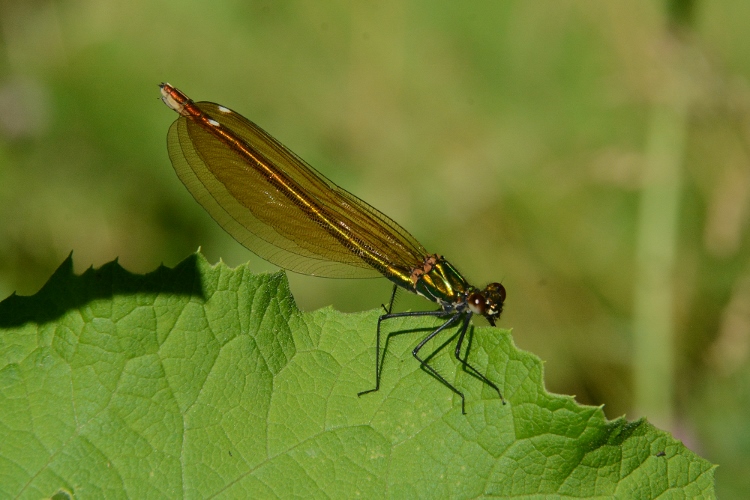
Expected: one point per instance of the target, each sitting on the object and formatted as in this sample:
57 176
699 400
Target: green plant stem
654 329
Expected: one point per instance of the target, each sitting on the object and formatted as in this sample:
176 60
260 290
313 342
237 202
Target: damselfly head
488 302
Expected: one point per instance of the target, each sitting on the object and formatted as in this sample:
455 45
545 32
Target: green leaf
204 381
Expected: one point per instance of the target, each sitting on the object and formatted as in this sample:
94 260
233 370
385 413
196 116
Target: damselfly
275 204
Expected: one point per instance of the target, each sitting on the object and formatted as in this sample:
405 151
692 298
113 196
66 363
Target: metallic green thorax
443 284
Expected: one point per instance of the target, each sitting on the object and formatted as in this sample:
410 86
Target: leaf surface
204 381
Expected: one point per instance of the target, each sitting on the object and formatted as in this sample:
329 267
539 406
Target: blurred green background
593 156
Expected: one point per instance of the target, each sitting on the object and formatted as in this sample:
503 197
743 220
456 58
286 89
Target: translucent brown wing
279 207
